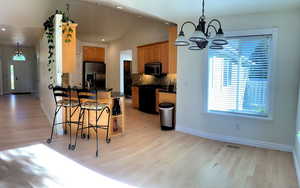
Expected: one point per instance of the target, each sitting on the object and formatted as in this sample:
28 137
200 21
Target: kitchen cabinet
93 54
156 52
172 49
141 59
162 97
164 52
135 96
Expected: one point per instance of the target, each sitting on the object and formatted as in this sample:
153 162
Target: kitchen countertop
167 91
162 88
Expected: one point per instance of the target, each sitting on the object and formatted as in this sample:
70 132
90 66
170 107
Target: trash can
166 111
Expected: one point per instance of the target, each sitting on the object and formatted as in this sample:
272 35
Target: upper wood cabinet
69 50
172 49
164 52
156 52
93 54
141 59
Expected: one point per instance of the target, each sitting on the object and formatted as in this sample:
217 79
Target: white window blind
239 76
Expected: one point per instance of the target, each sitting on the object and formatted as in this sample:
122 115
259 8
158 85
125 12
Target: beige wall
190 99
143 32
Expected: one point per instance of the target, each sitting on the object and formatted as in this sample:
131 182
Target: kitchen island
106 96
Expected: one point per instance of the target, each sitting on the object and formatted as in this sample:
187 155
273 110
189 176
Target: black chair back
61 93
87 95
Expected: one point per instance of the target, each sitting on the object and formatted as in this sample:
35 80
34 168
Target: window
238 79
12 77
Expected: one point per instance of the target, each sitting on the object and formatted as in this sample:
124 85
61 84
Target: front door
21 79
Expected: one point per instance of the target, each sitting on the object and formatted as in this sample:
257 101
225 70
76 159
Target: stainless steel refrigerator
94 74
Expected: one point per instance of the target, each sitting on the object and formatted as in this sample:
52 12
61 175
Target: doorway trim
1 77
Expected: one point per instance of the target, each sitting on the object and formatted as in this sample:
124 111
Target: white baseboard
236 140
297 167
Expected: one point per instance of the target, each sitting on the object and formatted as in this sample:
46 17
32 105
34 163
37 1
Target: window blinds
239 76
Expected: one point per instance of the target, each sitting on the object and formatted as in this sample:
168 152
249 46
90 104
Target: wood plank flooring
148 157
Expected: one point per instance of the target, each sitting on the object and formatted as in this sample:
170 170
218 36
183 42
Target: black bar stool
63 99
89 101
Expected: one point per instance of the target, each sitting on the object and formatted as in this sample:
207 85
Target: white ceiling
23 19
98 21
175 10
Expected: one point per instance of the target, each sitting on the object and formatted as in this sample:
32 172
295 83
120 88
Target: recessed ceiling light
103 40
119 7
167 23
3 29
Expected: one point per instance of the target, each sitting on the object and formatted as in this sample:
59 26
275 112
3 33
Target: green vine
49 31
68 31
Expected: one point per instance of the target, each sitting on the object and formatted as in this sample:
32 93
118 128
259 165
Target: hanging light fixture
202 34
18 51
19 54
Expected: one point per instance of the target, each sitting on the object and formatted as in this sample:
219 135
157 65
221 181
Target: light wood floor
148 157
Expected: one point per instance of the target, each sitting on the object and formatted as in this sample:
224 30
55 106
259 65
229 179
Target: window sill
232 114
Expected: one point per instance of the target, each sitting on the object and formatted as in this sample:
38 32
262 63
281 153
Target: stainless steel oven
154 68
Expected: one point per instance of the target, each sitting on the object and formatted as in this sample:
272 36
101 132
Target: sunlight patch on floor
40 166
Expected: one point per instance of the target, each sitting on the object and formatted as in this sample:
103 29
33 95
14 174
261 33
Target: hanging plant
49 28
68 31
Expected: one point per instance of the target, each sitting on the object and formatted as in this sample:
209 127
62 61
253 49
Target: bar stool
89 101
63 99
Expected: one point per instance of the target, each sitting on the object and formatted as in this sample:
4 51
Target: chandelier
202 35
18 51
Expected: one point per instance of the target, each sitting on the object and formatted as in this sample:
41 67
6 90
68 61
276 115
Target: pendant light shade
194 46
219 38
219 41
181 40
216 47
198 36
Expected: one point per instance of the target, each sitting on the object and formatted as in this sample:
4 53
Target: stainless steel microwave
154 68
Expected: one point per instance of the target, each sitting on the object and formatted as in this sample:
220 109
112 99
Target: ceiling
96 21
23 20
99 19
176 10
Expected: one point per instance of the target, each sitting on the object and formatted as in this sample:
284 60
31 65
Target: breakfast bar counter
114 100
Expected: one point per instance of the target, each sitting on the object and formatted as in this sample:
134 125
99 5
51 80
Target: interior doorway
125 72
127 78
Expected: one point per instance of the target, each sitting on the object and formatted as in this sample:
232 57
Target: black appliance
116 110
154 68
147 98
94 74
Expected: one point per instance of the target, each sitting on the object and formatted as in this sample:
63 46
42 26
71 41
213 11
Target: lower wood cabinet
135 96
162 97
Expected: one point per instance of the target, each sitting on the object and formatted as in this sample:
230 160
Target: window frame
271 74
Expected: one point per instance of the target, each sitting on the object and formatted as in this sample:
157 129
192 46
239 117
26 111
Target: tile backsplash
142 79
